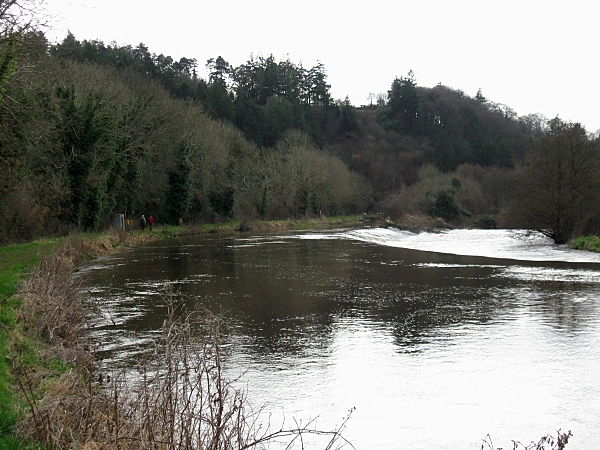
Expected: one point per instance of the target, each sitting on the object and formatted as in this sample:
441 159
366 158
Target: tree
348 119
559 183
179 186
444 205
16 19
219 70
82 124
19 16
480 97
404 104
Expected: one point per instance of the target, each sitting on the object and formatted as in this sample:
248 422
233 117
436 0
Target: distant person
143 222
127 224
151 222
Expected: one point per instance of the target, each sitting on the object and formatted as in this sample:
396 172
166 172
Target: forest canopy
88 130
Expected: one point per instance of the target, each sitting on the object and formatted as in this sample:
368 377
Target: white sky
536 56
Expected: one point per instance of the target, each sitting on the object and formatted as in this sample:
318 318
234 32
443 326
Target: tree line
472 162
88 130
80 141
263 97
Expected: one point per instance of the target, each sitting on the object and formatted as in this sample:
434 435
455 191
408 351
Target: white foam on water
503 244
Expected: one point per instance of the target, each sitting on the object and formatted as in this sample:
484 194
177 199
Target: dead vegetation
547 442
52 305
179 397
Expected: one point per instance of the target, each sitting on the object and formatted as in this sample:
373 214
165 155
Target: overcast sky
534 56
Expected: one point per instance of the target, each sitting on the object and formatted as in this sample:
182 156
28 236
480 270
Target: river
437 339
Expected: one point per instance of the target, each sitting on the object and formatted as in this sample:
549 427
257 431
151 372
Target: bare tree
18 16
559 181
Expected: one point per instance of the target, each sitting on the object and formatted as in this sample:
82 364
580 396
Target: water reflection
421 342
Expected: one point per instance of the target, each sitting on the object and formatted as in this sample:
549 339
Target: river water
437 339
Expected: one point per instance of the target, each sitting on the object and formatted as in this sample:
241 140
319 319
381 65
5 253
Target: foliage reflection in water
435 350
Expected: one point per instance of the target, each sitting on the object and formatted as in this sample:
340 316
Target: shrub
445 205
486 221
180 399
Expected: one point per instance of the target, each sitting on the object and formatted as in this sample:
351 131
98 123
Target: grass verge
271 225
23 336
590 243
16 262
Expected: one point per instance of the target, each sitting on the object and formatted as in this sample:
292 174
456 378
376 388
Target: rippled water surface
436 339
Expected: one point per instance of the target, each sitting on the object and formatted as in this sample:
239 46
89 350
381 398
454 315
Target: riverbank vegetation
590 243
89 130
180 400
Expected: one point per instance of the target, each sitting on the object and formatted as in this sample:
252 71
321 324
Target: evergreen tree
348 119
179 186
81 124
403 104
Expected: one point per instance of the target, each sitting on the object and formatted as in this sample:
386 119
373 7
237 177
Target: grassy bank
271 225
51 393
16 261
19 343
590 243
29 331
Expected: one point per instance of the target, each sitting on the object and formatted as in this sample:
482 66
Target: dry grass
52 306
547 442
179 399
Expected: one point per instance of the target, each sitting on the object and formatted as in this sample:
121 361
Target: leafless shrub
180 399
547 442
52 305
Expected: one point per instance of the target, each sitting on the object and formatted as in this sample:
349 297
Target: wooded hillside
88 130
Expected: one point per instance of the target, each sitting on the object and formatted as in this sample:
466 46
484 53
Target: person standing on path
143 222
151 222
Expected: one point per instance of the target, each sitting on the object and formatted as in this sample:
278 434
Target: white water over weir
437 339
506 244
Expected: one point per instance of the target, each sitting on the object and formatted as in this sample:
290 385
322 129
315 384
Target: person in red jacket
151 222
